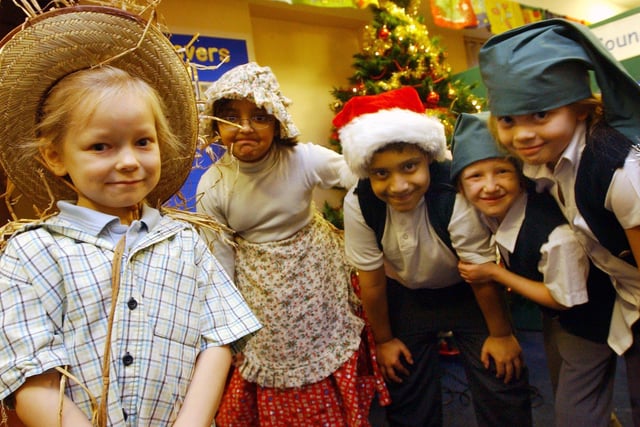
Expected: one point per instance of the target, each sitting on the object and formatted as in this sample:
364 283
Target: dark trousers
582 374
416 317
632 359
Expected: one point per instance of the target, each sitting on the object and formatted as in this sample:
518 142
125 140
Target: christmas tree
399 52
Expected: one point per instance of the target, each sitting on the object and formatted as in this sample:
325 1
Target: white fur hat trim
368 133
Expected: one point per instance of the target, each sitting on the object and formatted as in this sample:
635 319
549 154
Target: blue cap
545 65
472 142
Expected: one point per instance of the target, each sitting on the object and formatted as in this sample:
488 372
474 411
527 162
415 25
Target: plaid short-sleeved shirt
174 301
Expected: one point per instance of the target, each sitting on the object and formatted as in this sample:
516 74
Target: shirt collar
95 223
507 233
570 158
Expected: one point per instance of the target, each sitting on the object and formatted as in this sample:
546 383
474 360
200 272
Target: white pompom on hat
368 123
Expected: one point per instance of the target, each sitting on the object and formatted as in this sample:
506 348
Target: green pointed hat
544 65
472 142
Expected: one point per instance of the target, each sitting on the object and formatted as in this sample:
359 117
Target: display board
619 34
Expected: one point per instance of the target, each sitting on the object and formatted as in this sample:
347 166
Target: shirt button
132 304
127 359
405 236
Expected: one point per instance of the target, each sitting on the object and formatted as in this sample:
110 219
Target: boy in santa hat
405 230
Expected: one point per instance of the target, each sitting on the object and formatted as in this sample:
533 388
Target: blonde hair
73 99
593 107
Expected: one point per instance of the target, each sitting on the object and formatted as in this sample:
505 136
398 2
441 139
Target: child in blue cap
405 230
545 263
581 148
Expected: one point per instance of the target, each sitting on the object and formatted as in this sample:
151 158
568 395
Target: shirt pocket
174 304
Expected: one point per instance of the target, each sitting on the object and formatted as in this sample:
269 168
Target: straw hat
49 46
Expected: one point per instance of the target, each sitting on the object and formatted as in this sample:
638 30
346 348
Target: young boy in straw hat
545 263
405 229
111 301
581 149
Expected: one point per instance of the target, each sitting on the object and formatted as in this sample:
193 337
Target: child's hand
507 356
390 358
475 274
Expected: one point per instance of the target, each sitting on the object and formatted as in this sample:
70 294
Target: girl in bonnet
581 148
302 367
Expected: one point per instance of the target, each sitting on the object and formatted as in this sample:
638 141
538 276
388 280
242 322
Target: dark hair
221 104
399 146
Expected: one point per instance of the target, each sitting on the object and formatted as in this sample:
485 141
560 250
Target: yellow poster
503 15
532 14
480 9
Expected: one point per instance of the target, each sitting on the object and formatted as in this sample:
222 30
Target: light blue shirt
174 301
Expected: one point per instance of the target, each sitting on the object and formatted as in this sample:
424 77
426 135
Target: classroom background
311 49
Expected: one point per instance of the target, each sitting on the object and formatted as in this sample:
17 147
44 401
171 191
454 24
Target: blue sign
211 52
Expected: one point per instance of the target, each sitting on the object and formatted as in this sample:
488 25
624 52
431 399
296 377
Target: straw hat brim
34 56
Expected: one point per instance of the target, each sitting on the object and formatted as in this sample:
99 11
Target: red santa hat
368 123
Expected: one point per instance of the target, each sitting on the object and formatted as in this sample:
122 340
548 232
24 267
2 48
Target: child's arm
487 272
327 167
38 399
471 240
206 388
390 351
208 203
623 199
501 345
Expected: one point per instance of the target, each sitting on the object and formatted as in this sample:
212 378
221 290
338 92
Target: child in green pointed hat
580 147
545 263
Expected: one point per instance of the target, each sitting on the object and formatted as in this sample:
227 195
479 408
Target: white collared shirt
623 199
413 253
563 262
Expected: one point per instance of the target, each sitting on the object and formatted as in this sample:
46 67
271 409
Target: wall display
619 34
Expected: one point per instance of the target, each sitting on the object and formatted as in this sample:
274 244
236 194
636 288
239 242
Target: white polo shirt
413 253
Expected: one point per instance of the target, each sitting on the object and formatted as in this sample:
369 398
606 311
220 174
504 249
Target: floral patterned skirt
300 290
343 399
